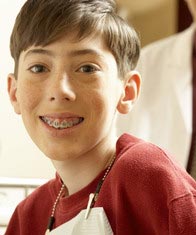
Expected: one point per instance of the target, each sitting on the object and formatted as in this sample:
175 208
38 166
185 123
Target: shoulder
166 49
30 211
40 196
144 165
141 154
167 43
161 44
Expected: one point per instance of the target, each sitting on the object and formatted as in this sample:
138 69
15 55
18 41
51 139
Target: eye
88 68
38 68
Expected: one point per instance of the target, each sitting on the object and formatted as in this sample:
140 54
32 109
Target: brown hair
41 22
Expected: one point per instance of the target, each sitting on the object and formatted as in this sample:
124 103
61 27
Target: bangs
42 22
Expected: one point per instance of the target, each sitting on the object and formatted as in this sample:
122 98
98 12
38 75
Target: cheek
101 104
94 102
105 99
28 97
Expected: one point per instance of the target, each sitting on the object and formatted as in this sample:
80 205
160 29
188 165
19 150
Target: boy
74 64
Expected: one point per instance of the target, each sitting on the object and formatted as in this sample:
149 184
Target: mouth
61 124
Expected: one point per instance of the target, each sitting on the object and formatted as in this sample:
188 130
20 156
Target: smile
62 124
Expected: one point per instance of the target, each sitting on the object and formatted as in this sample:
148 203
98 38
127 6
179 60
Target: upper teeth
56 123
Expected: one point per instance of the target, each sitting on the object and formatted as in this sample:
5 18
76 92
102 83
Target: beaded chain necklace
92 197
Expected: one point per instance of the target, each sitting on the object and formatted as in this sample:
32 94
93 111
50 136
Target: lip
61 115
54 132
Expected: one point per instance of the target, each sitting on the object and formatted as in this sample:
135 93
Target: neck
78 172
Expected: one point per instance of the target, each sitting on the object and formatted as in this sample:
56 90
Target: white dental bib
96 224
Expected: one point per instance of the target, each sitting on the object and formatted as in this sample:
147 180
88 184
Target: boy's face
68 93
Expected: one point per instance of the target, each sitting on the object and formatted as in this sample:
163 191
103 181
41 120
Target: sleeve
14 224
182 215
152 182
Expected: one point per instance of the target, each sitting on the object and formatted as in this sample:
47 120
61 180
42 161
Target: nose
61 89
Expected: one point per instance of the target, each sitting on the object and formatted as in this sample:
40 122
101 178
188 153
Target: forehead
71 47
88 45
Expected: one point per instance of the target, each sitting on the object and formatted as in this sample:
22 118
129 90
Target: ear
130 92
12 90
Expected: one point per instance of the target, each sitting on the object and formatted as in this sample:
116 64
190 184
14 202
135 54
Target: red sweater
145 193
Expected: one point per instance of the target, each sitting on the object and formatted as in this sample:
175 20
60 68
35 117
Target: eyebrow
39 51
84 52
73 53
